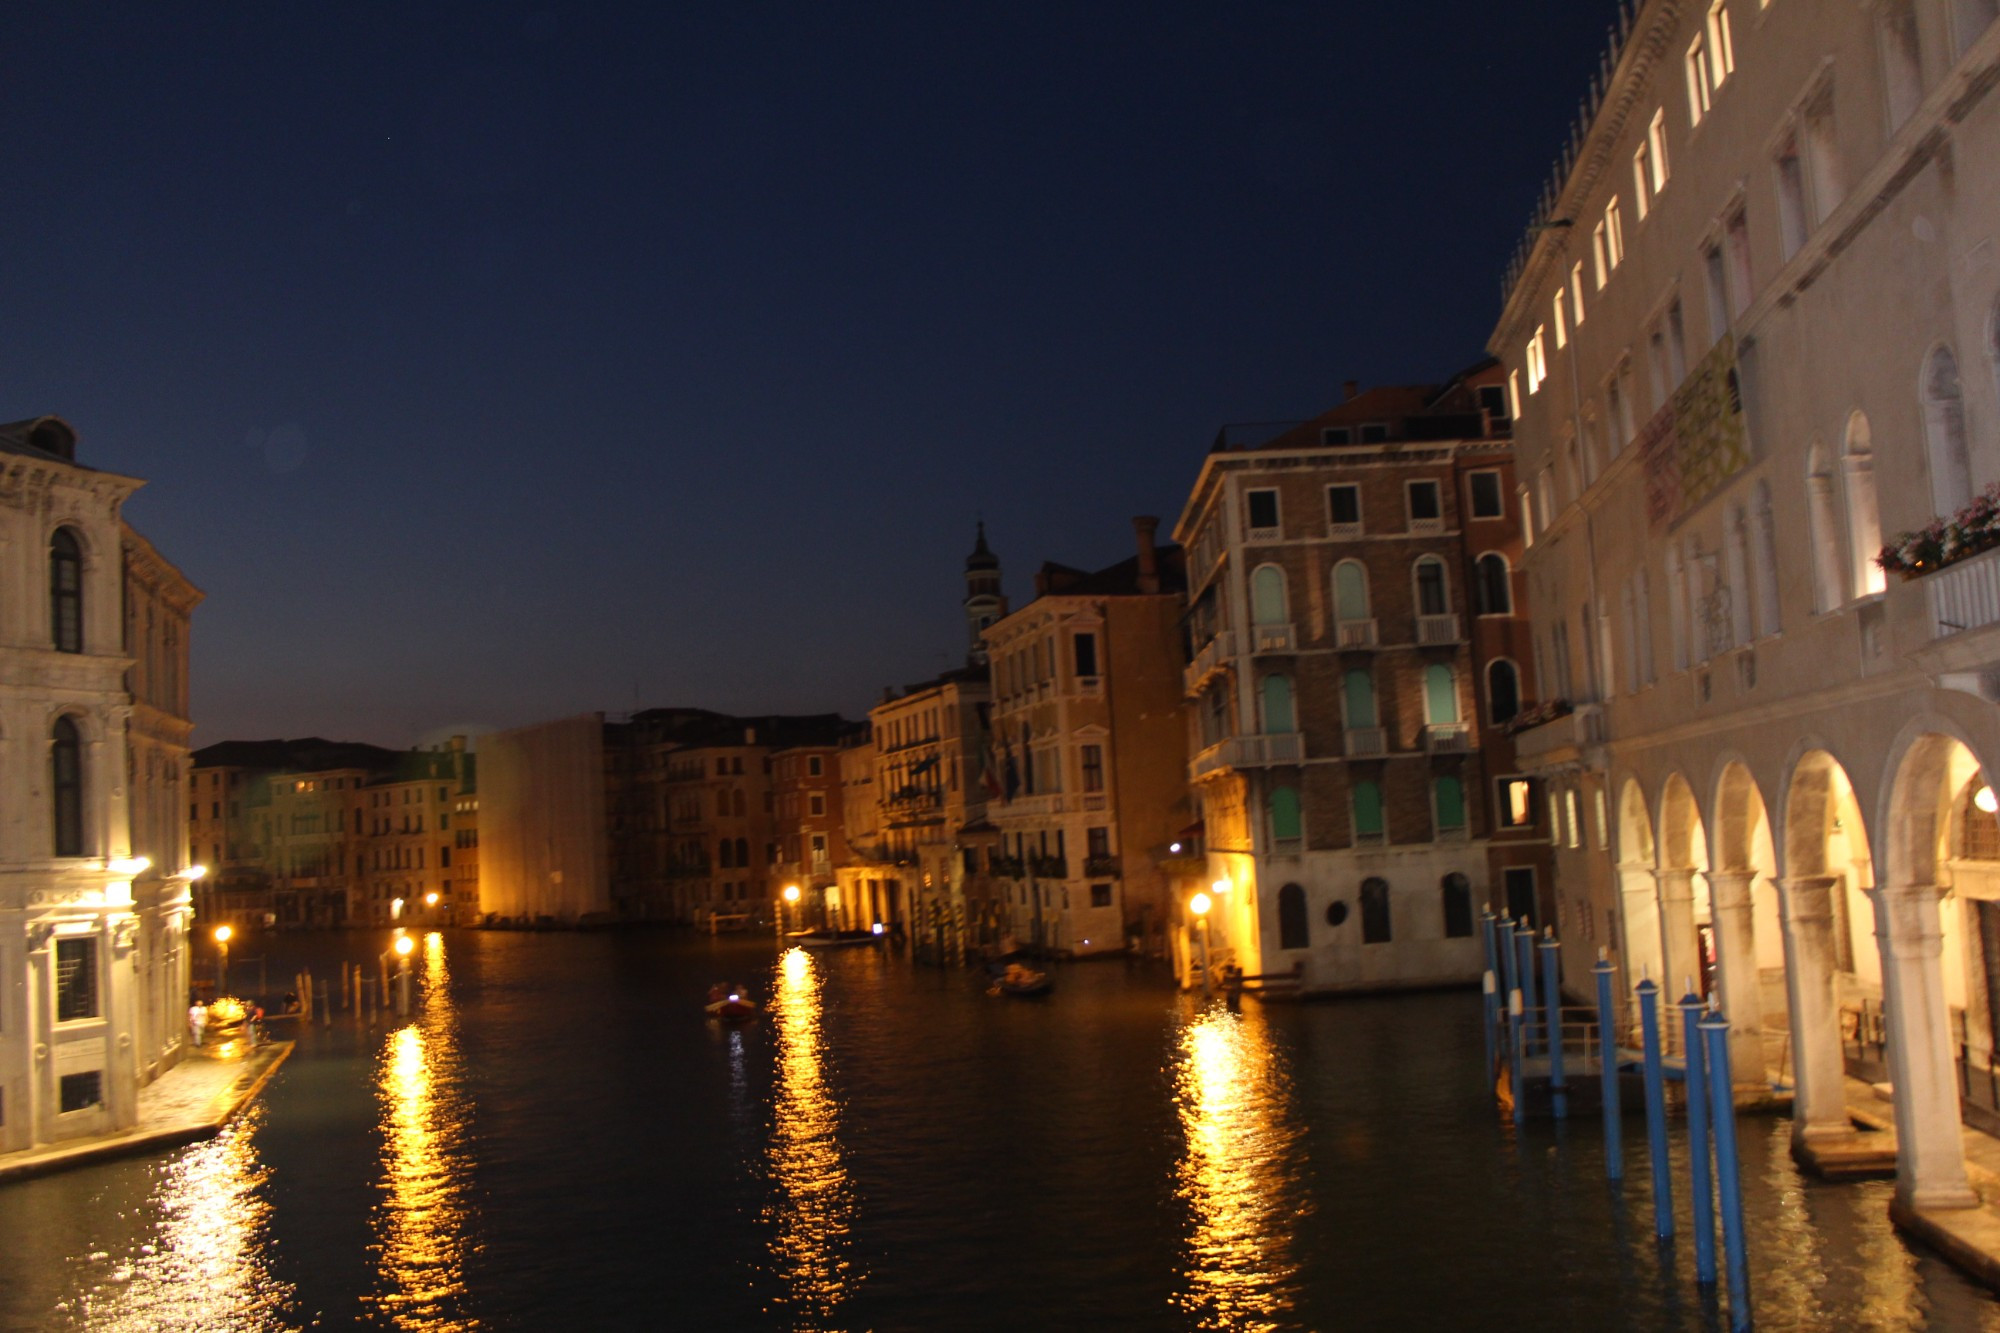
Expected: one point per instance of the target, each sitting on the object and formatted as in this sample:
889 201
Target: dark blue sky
491 363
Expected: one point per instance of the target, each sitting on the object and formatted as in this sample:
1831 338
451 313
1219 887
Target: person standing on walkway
197 1021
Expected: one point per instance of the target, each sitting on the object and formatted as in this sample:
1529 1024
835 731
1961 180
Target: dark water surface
558 1140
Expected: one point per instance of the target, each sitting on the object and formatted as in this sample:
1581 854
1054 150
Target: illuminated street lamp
431 901
791 901
403 945
1199 905
222 934
395 909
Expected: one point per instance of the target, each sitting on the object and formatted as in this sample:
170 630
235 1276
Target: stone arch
1683 887
1638 888
1744 914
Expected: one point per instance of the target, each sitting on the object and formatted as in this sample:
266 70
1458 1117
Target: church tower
984 603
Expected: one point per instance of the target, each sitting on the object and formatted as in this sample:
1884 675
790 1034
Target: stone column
1930 1155
1736 971
1639 905
1819 1109
1677 933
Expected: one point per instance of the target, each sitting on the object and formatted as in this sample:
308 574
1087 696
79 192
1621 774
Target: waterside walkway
191 1101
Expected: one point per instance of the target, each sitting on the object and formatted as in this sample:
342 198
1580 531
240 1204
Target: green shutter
1367 808
1450 796
1284 813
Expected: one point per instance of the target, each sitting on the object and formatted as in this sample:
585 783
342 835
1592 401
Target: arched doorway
1749 948
1639 891
1686 922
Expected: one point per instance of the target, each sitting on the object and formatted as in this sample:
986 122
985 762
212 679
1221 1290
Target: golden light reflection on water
420 1220
1235 1176
206 1267
813 1217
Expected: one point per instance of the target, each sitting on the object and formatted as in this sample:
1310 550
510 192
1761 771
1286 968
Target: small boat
832 939
1021 982
732 1004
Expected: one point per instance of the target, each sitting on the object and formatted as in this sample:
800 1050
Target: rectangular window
1600 255
76 978
1656 141
815 767
1791 174
1425 505
1097 842
1556 319
1336 435
1375 911
1736 245
1100 895
1093 768
1697 79
1374 432
1576 293
1343 509
1519 882
1486 499
1085 654
1263 511
1572 820
817 803
1517 803
1614 234
1537 357
1717 275
1513 394
1493 401
80 1092
1721 46
1642 170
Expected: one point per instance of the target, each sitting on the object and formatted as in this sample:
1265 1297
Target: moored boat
832 939
1022 982
730 1004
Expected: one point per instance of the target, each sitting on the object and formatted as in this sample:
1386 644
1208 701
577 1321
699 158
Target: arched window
1823 531
1283 806
1492 586
1456 892
1440 694
1357 689
1864 520
1368 825
1432 600
1350 590
66 785
1503 691
743 853
1944 435
1764 559
1294 931
1448 804
1279 716
1374 910
66 591
725 855
1267 596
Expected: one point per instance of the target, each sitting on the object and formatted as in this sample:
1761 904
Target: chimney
1353 388
1149 560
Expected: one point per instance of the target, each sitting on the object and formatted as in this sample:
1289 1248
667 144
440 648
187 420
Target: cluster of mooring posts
364 993
1532 1051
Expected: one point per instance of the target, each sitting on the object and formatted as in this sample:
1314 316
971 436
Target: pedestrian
256 1025
197 1020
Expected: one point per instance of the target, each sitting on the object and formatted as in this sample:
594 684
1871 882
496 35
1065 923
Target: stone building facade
94 909
1753 335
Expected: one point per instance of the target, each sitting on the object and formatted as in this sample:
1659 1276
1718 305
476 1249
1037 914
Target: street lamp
222 934
403 946
785 912
395 909
1199 905
431 900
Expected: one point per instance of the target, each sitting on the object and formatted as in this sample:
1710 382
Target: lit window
1516 803
1697 79
1656 139
1556 317
1514 393
1576 293
1599 256
1641 177
1614 234
1538 362
1722 48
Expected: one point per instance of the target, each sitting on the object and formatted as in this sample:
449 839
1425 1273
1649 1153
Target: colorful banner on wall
1697 441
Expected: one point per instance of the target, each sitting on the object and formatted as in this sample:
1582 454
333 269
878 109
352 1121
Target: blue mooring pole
1486 919
1552 994
1701 1197
1607 1070
1656 1107
1517 1043
1722 1098
1524 967
1503 944
1490 986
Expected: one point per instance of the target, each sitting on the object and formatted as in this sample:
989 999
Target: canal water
558 1140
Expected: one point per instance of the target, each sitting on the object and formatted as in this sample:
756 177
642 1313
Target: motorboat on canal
1022 982
730 1004
833 939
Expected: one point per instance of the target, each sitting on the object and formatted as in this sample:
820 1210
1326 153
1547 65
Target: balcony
1248 752
1049 867
1964 596
1438 629
1354 633
1093 800
1365 742
1006 867
1101 867
1271 639
1263 534
1213 657
1343 532
1032 807
1563 738
1426 527
1447 738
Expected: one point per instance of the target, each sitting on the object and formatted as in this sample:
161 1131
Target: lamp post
403 946
430 903
1199 905
222 934
785 912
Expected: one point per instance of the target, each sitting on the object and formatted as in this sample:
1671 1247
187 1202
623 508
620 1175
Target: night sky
491 363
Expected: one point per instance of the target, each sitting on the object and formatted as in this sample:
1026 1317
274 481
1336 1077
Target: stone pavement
191 1101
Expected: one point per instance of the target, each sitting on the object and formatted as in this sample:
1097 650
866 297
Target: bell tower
984 602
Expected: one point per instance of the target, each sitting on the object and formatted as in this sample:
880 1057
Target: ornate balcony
1102 867
1447 738
1213 657
1365 742
1438 629
1272 639
1248 752
1354 633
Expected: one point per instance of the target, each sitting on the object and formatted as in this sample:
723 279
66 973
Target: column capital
1676 882
1730 888
1807 898
1907 921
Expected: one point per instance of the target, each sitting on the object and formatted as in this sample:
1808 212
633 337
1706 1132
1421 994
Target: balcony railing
1006 867
1354 633
1343 532
1093 800
1049 867
1248 752
1101 867
1426 527
1447 738
1438 629
1365 742
1214 655
1271 638
1965 595
1054 803
1263 534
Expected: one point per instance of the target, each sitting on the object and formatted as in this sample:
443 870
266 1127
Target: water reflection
813 1214
206 1266
1238 1172
421 1220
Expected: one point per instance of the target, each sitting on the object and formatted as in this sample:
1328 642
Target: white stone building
94 909
1751 336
